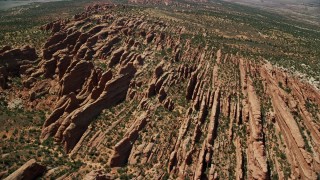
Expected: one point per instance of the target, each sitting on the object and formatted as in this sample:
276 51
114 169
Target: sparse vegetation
99 124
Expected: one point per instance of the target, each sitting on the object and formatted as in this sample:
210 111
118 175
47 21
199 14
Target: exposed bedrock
15 62
70 128
30 170
134 96
257 161
123 148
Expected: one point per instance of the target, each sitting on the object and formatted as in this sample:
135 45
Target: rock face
290 128
75 77
76 122
257 161
30 170
8 54
134 97
123 148
14 62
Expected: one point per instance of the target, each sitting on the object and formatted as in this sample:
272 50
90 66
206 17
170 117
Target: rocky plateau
129 96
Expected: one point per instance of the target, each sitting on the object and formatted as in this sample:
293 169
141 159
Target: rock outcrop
30 170
134 96
14 62
123 148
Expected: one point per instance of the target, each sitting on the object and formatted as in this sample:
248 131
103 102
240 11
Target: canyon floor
151 90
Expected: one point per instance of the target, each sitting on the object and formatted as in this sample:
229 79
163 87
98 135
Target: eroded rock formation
127 97
30 170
